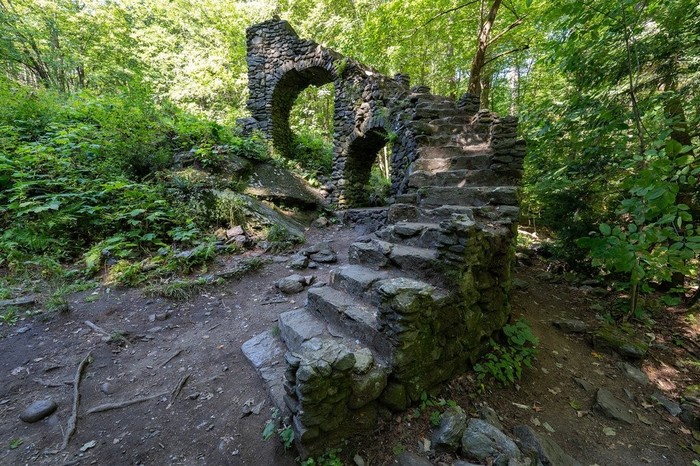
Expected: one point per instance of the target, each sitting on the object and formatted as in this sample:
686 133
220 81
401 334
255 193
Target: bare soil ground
199 341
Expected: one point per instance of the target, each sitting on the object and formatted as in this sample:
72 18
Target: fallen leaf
548 427
537 408
536 422
696 435
609 431
596 355
544 370
644 419
684 430
646 405
518 405
554 391
88 445
575 404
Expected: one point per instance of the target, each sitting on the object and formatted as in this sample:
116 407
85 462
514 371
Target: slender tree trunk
481 48
630 75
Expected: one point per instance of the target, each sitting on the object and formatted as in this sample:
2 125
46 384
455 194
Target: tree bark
482 46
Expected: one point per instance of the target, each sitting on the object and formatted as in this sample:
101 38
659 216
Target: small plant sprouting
279 426
505 362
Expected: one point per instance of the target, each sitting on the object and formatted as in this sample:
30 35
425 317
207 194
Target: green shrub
505 362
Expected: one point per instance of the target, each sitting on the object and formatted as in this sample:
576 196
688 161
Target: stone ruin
429 283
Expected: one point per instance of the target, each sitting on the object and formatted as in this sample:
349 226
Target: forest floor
186 355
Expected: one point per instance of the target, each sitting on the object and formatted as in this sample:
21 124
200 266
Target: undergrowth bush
79 176
505 362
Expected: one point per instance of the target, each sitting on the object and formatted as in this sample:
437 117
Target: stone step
458 162
414 213
431 196
349 316
460 119
415 261
456 178
417 234
359 281
448 138
446 151
265 352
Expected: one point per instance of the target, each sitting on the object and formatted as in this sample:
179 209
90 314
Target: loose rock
38 410
448 435
411 459
544 449
672 407
612 407
571 325
633 373
291 284
482 441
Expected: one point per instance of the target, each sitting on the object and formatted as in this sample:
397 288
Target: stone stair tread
469 195
356 279
265 352
349 316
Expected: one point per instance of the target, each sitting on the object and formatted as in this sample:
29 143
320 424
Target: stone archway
284 94
361 154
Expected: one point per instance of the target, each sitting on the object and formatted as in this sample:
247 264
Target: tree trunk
482 46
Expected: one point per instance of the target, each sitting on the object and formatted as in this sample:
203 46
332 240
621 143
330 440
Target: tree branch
508 52
513 25
441 14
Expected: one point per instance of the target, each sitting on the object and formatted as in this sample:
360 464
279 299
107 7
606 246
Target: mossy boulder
622 339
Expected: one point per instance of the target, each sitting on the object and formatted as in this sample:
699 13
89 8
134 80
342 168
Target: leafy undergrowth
117 187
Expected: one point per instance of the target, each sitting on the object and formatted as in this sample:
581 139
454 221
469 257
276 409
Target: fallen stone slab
544 449
21 301
612 407
673 408
482 441
411 459
571 325
633 373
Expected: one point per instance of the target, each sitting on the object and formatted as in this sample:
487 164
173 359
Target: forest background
97 96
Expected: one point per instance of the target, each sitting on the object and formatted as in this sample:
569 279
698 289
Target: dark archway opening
361 157
283 97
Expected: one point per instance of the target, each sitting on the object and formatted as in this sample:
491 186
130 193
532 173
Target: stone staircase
421 296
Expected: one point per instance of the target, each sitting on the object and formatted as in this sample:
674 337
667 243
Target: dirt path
199 341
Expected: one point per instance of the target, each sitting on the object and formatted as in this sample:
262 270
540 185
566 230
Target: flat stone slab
298 326
612 407
547 451
266 353
633 373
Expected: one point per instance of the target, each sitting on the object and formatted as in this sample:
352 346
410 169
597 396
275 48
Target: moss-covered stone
394 397
620 339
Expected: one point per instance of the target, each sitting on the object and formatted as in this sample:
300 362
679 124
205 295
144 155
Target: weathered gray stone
673 408
585 384
38 410
298 262
542 449
411 459
482 441
633 373
291 284
487 413
448 435
571 325
613 407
